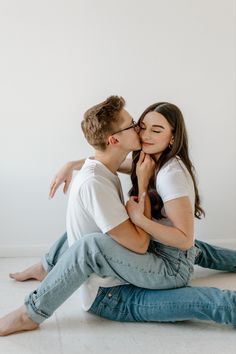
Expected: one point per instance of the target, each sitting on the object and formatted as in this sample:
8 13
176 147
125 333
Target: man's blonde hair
99 121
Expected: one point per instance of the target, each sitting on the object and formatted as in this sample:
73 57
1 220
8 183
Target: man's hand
64 175
135 207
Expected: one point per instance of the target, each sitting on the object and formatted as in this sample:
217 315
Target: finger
141 158
142 153
134 198
53 182
53 190
66 186
148 159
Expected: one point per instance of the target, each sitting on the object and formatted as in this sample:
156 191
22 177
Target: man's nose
137 128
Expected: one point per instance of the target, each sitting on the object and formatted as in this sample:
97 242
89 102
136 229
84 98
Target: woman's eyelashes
153 131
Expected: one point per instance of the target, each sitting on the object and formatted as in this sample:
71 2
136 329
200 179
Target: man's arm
102 202
179 211
131 236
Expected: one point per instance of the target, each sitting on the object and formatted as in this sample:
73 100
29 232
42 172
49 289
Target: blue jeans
69 267
129 303
162 267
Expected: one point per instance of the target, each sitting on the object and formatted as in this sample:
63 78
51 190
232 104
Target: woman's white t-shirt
174 181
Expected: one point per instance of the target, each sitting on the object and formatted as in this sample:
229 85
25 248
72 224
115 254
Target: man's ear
112 140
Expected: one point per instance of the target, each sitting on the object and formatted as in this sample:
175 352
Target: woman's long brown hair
179 148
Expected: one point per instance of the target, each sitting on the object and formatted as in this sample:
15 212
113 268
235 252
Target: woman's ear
171 142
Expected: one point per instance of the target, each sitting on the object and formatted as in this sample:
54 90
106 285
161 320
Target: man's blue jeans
67 271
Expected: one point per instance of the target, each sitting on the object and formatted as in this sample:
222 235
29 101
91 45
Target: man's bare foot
16 321
36 271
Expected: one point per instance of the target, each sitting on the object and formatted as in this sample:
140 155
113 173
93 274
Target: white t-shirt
174 181
96 204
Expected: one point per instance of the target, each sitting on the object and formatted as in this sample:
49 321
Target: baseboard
39 250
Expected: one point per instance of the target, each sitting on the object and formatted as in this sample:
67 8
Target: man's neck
111 161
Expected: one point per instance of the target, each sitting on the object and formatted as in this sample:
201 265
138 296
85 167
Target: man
95 205
110 129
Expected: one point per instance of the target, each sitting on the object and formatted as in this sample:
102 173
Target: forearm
168 235
76 165
144 240
147 212
143 188
147 205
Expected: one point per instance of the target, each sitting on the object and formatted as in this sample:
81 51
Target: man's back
95 205
95 202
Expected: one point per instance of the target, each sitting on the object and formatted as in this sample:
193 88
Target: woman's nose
144 134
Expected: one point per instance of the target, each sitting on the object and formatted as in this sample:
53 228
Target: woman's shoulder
173 180
172 165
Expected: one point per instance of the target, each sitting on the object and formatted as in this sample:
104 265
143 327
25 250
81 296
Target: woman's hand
145 169
135 207
64 175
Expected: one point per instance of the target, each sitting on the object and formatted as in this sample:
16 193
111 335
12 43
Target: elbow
143 246
187 245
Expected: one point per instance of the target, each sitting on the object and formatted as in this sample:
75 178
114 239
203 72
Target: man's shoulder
91 180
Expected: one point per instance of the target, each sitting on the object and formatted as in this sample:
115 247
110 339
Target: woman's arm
64 175
144 170
180 235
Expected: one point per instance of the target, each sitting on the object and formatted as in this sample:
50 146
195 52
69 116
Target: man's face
127 132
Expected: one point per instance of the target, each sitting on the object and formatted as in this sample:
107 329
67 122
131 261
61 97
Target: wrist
142 187
75 165
140 221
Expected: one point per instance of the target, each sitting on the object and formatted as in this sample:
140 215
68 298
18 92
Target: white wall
60 57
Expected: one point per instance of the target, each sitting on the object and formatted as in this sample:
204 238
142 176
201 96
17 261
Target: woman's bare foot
16 321
36 271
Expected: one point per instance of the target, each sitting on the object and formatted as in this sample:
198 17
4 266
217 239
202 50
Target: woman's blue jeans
68 268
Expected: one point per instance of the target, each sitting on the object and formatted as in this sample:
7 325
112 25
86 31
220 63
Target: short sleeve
102 201
172 184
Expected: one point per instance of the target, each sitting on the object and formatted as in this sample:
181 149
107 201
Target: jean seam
54 284
117 261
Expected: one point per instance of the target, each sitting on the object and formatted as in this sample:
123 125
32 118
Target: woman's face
155 133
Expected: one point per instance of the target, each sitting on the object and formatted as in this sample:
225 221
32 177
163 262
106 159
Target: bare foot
36 271
16 321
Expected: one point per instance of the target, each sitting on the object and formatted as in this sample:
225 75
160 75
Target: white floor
71 330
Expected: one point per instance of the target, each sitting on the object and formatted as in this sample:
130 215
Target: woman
174 210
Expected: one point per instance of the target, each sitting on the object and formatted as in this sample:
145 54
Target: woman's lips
144 143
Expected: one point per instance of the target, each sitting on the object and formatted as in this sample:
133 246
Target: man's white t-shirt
96 204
